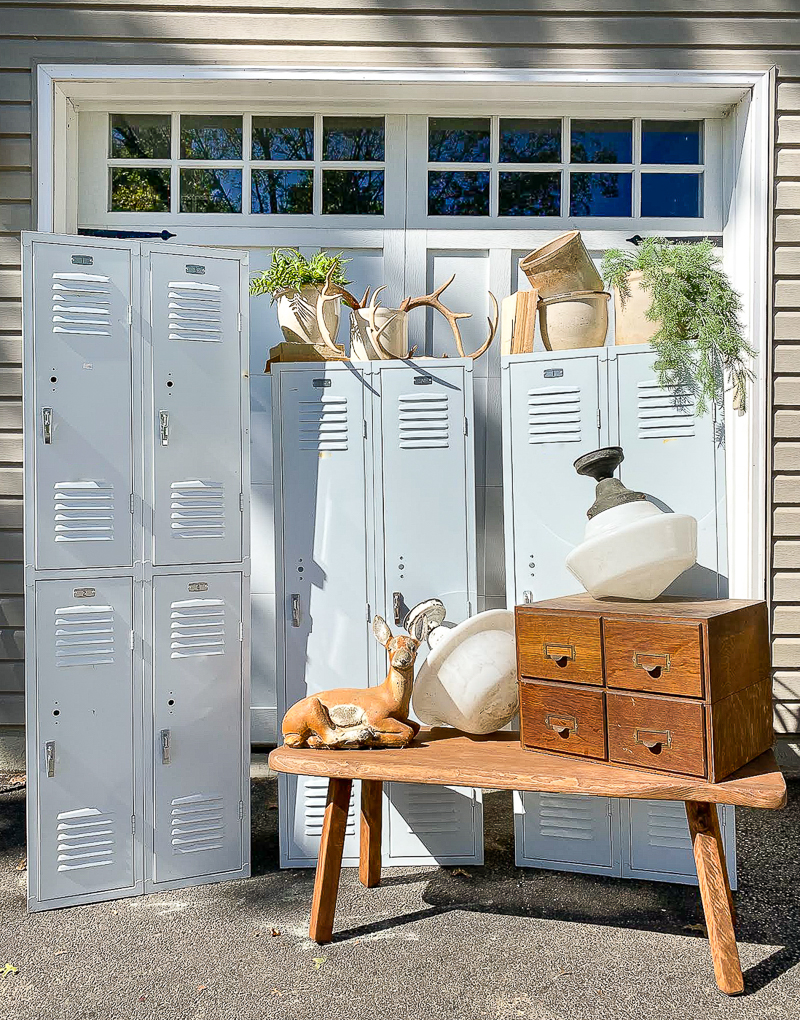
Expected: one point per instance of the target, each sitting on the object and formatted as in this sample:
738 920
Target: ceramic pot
572 321
631 325
394 338
561 267
297 315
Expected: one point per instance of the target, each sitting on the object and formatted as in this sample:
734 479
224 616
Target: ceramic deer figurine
361 717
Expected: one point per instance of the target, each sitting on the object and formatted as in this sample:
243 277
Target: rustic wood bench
446 757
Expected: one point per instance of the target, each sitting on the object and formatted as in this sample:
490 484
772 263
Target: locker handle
653 740
397 606
50 758
47 425
163 426
295 610
165 747
653 663
563 725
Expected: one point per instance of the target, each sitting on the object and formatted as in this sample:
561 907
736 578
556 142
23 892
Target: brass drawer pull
653 663
560 654
654 740
563 725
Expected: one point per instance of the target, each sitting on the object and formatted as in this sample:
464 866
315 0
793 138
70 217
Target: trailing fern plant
700 344
290 270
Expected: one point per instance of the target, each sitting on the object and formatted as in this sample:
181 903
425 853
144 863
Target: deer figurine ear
380 628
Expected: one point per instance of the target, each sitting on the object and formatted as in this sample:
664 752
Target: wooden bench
446 757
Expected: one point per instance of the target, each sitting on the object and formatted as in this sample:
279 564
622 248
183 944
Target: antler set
330 292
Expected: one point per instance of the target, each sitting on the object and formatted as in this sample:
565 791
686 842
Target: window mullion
174 176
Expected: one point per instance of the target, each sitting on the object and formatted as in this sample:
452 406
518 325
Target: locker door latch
47 425
165 747
50 758
295 610
397 606
163 425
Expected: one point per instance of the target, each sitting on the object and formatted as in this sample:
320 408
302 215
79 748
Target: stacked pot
573 307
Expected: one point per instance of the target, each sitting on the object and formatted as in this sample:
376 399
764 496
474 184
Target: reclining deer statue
361 717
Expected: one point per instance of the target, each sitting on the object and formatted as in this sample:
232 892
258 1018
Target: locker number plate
553 373
198 586
321 383
84 593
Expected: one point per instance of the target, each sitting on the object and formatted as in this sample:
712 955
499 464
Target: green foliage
291 270
701 343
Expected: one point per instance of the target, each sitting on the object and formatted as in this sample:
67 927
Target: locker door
324 564
302 831
196 435
677 456
568 832
552 408
83 749
82 379
425 500
197 725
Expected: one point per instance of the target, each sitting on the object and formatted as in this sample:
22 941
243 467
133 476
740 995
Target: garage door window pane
352 192
530 141
139 189
672 141
353 138
282 191
211 137
605 194
458 193
283 138
530 194
140 136
672 195
211 191
458 140
602 141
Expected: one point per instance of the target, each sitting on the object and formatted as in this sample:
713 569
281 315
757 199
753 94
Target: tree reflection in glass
354 192
211 137
458 193
530 141
358 139
211 191
600 194
458 139
140 136
139 189
524 194
283 138
601 141
282 191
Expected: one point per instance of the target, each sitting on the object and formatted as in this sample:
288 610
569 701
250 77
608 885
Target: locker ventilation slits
567 817
198 824
83 511
195 312
429 810
663 414
424 421
197 509
315 795
554 414
84 635
81 304
84 839
323 424
197 627
667 826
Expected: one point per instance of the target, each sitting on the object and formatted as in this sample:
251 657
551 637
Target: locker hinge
469 609
364 431
239 322
713 410
241 630
133 824
466 426
369 613
130 315
131 506
133 640
609 808
241 809
598 417
241 502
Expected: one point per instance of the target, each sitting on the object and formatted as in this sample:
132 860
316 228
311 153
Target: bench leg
715 893
369 866
329 863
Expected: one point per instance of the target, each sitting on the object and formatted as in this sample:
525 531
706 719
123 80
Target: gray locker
557 406
81 387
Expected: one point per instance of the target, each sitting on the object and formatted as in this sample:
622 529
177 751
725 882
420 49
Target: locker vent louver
554 414
195 312
667 826
568 817
81 304
84 839
198 824
315 795
429 810
424 421
663 414
84 635
197 627
83 511
323 424
197 509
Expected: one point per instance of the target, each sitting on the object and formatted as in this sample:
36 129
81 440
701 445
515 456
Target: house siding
538 34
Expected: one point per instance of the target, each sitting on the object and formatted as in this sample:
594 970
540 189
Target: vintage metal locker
425 548
556 407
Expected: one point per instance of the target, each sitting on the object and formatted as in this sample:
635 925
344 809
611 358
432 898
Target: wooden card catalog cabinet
675 686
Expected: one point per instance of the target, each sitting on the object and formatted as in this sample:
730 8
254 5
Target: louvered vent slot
429 810
664 414
198 824
569 817
84 635
83 511
667 825
84 839
195 312
81 304
315 796
197 627
323 424
554 414
424 421
197 509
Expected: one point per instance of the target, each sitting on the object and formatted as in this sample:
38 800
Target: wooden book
518 322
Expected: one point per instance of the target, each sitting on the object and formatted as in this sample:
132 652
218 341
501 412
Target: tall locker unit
355 445
557 406
95 657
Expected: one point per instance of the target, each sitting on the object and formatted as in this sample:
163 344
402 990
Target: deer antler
433 301
374 331
327 294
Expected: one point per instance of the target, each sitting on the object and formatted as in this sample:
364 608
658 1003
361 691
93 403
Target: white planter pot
394 338
297 316
574 320
631 325
562 266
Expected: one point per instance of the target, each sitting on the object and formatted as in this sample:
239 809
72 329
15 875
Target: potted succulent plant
693 319
295 283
